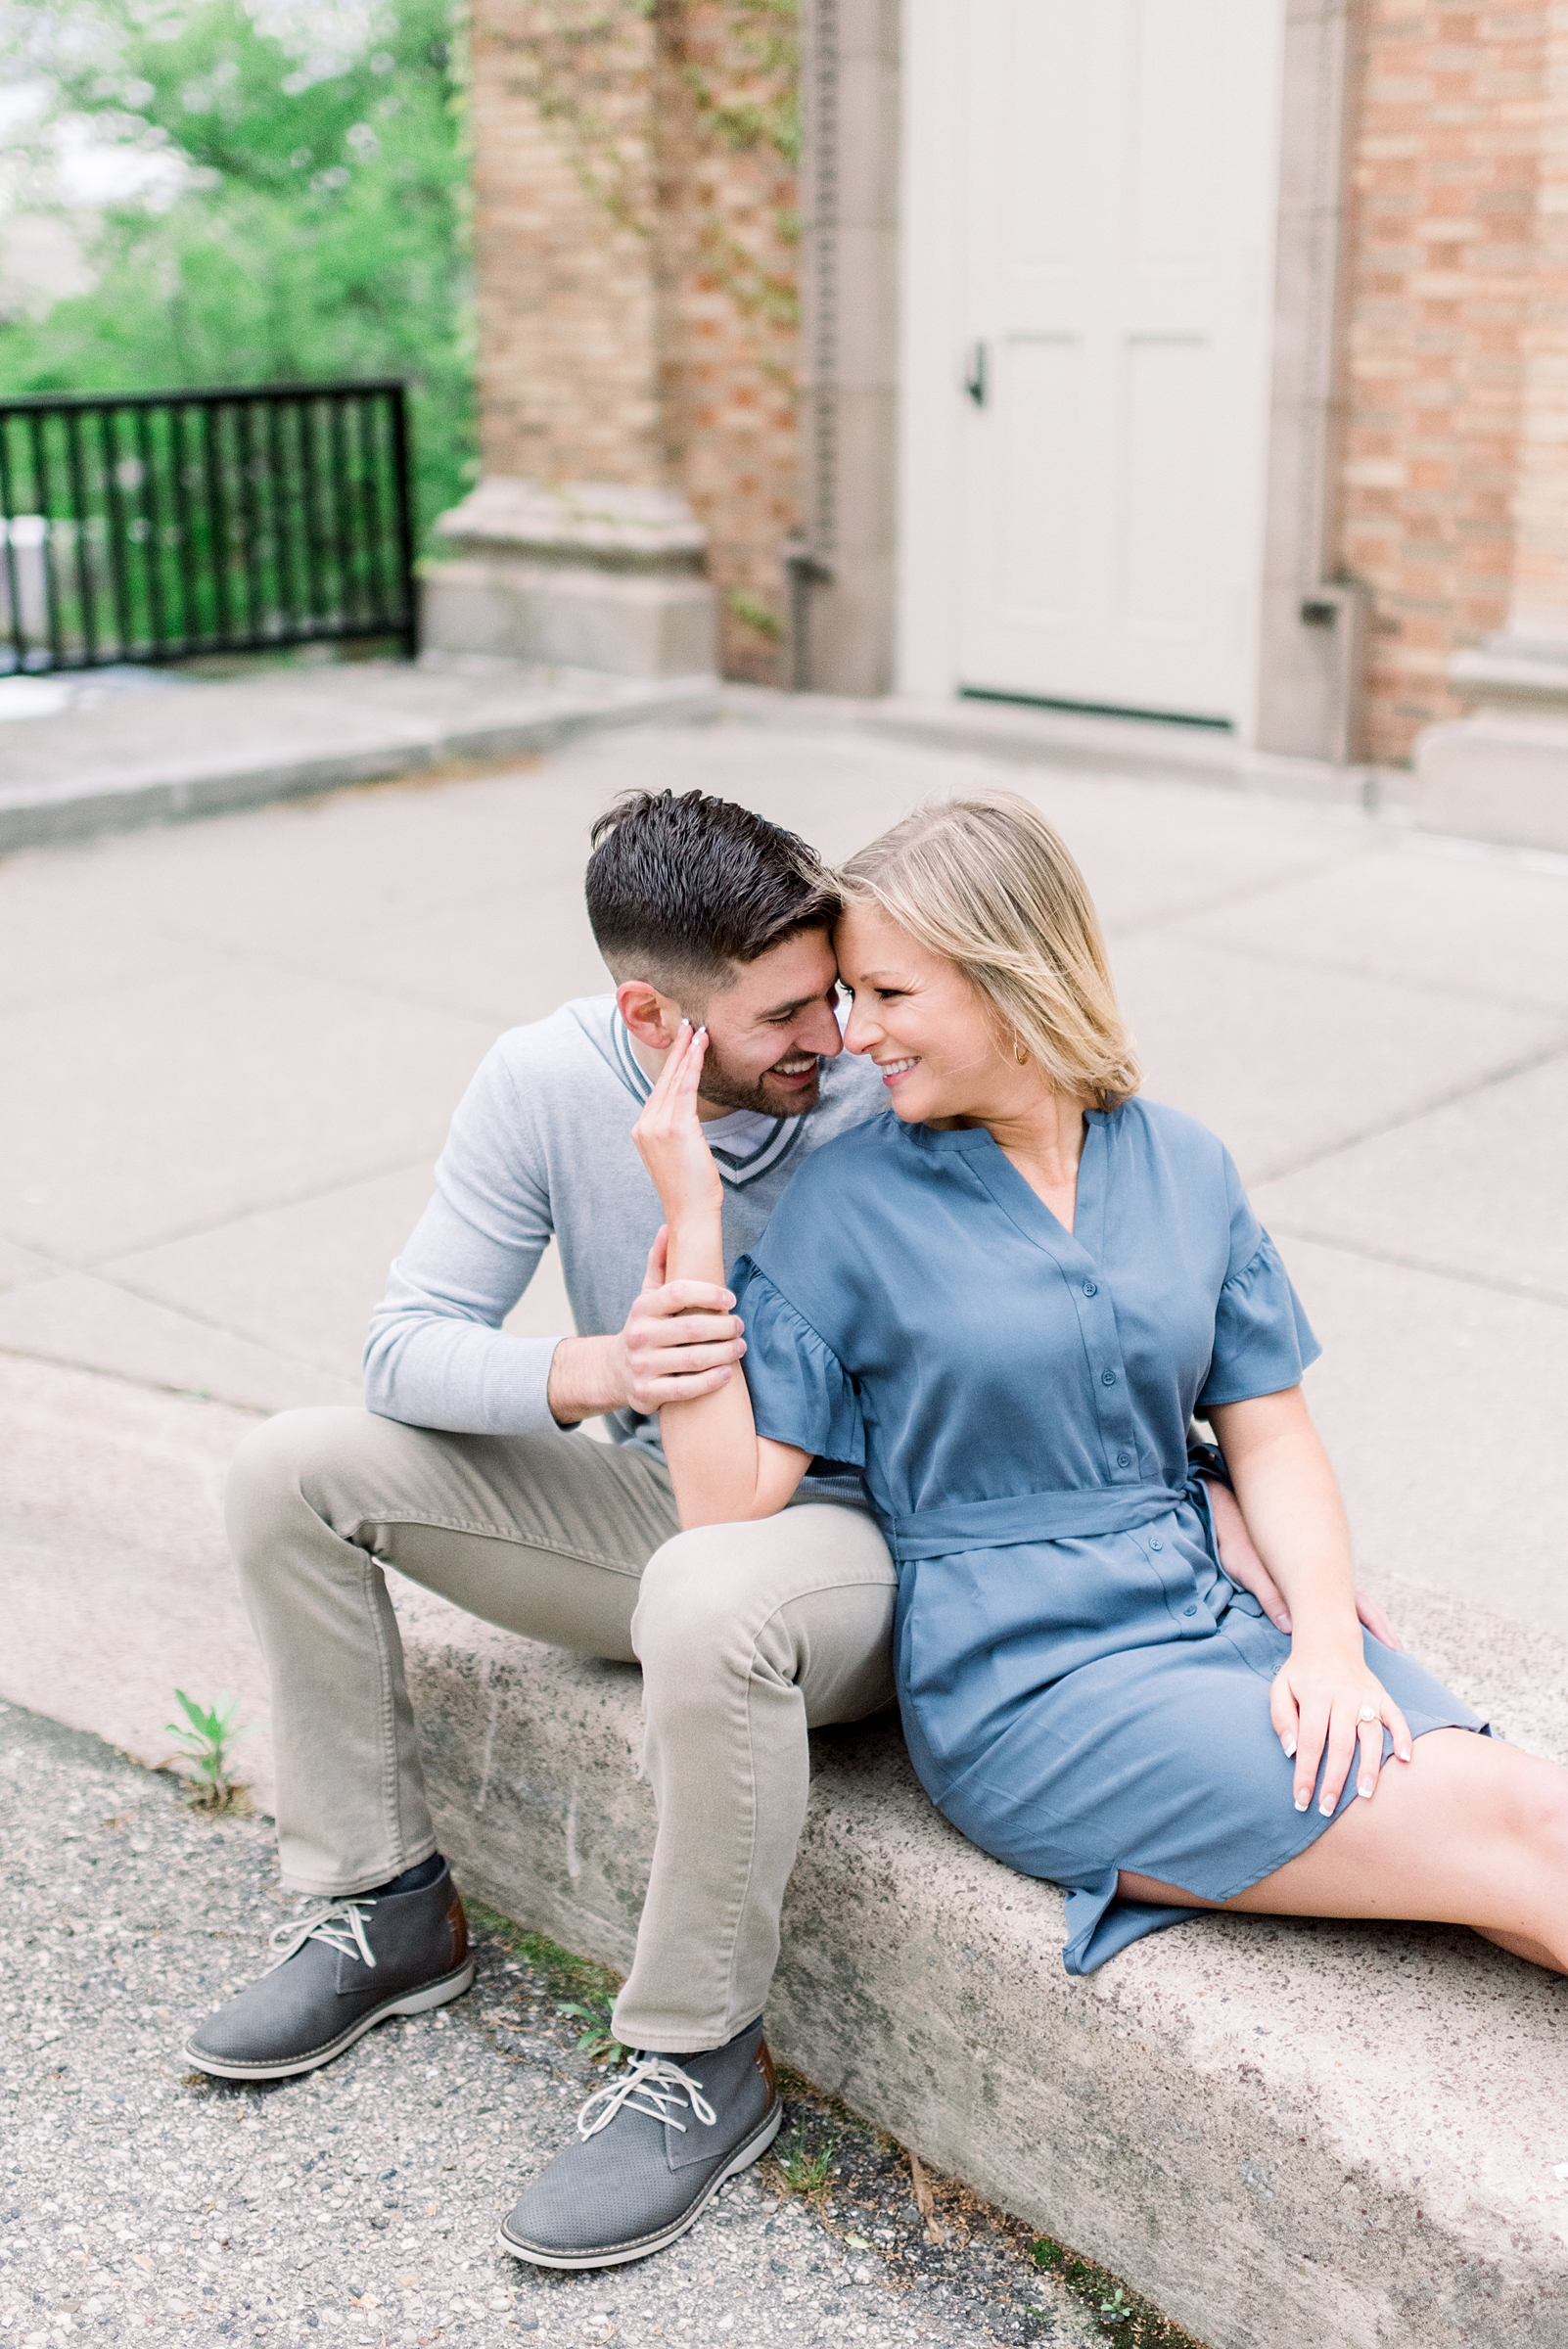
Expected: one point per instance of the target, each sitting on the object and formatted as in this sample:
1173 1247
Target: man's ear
653 1018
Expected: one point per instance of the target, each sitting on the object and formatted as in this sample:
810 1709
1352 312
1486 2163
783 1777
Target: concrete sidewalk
228 1051
130 748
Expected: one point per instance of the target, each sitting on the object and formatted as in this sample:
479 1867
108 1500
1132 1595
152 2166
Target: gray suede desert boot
342 1967
653 2148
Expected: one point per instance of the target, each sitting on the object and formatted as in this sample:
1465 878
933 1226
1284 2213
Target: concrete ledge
1499 775
150 758
627 625
1281 2133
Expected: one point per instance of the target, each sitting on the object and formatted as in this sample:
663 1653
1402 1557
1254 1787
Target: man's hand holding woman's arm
680 1336
723 1472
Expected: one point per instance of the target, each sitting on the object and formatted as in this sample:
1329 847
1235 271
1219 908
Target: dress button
1092 1288
1124 1459
1157 1543
1189 1610
1107 1378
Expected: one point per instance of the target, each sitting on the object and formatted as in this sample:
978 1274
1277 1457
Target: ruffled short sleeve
1263 1340
800 1392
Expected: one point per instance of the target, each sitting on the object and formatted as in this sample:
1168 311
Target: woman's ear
653 1018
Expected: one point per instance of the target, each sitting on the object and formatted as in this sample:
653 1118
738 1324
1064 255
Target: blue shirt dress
1082 1688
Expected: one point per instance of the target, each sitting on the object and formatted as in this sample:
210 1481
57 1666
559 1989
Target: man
468 1473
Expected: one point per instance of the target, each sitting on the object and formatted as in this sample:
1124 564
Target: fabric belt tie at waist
1033 1517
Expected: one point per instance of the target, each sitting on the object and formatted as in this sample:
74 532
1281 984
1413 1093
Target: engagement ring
1368 1713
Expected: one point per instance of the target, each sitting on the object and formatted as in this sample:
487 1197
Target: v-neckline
1023 1205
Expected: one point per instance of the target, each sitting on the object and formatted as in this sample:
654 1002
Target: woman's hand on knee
1324 1704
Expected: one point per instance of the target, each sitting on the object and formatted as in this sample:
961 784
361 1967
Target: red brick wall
634 236
1441 283
730 301
564 183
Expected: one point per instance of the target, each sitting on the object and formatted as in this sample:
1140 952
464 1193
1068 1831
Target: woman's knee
1537 1815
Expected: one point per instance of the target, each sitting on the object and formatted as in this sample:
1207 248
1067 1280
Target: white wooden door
1113 174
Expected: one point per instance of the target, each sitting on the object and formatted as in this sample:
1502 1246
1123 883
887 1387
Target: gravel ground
139 2201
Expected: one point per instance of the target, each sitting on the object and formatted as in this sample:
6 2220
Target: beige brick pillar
1538 610
576 549
1501 772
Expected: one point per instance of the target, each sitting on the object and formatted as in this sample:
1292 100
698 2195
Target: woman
1003 1298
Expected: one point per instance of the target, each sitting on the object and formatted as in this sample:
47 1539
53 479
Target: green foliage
208 1738
598 2041
764 36
321 228
805 2173
567 1975
755 613
1110 2301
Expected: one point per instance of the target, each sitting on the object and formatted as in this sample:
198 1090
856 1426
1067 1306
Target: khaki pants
747 1635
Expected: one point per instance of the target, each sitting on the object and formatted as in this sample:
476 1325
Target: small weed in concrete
208 1738
578 1979
598 2041
1111 2302
802 2172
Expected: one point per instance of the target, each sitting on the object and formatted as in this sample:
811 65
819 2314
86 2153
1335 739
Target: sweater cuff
525 1408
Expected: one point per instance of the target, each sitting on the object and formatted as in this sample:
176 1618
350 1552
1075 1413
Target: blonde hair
986 883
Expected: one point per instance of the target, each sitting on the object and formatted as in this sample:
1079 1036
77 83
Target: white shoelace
339 1923
655 2077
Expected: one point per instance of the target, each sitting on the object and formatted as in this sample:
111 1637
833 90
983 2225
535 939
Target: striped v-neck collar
736 1167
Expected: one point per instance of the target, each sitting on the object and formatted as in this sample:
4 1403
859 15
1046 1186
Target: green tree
319 228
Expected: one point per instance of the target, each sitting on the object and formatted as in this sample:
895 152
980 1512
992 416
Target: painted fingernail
1365 1789
1283 1622
1401 1753
1290 1749
1326 1808
1302 1801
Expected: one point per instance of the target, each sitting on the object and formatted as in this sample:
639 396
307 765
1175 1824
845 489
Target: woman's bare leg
1469 1832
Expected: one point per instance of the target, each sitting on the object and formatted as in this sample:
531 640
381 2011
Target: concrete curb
106 790
111 767
1277 2132
1140 749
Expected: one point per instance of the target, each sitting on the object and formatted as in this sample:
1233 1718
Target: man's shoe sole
409 2002
622 2255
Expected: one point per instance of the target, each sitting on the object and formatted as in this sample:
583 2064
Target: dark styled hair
684 889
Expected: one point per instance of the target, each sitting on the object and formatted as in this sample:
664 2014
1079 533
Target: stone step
1286 2136
1280 2132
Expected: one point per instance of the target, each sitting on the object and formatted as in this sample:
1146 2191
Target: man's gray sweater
540 1147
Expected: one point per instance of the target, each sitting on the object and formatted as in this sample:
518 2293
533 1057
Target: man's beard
727 1092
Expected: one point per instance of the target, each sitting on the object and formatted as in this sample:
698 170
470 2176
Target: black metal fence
154 526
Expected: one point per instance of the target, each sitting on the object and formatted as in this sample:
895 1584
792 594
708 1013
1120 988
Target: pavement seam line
1240 953
219 1330
124 1378
244 1215
1248 894
1420 1263
1413 1115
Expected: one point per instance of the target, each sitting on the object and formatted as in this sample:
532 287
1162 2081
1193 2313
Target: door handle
975 374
